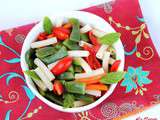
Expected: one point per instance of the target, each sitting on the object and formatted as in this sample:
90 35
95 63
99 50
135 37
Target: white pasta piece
98 33
96 72
101 51
43 43
83 64
40 84
44 68
111 60
105 61
50 66
86 28
96 93
78 53
82 43
44 78
79 103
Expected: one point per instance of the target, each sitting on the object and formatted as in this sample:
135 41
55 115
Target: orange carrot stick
90 78
93 82
100 87
90 81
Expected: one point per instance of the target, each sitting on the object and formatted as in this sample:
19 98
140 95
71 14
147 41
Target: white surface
151 13
19 12
86 18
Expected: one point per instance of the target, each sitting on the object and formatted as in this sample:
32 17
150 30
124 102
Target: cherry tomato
61 33
58 88
62 66
91 59
42 36
96 48
51 35
115 66
93 39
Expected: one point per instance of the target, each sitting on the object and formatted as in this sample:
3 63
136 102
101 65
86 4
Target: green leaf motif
112 77
47 25
110 38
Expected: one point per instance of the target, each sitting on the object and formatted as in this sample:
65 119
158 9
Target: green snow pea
75 34
71 45
46 51
66 76
75 87
58 55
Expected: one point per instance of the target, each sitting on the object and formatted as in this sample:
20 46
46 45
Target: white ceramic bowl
85 18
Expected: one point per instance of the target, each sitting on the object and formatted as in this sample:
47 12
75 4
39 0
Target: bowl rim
38 28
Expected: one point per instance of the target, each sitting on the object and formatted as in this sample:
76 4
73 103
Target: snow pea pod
78 69
52 97
85 98
84 37
58 46
71 69
75 87
29 58
71 45
66 76
46 51
58 55
75 34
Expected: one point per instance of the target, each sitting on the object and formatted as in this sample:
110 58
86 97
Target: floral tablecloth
139 88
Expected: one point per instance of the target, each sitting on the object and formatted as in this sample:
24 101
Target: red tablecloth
139 88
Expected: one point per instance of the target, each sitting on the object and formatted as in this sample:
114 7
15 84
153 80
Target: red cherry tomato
58 88
42 36
62 66
115 66
93 39
91 59
61 33
96 48
51 35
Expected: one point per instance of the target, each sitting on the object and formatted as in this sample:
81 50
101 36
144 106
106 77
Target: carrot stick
90 81
100 87
67 25
90 78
